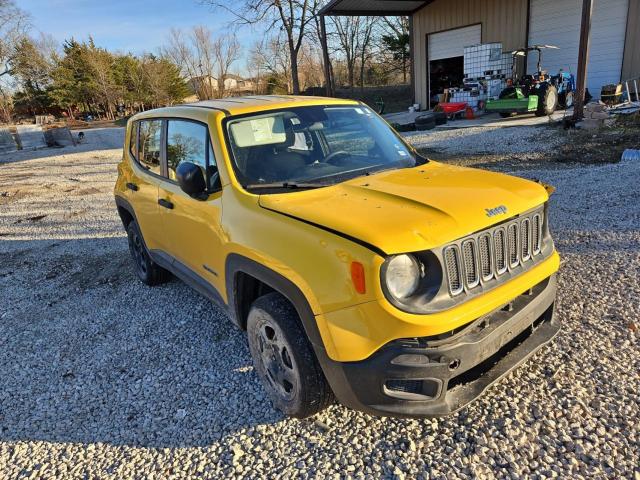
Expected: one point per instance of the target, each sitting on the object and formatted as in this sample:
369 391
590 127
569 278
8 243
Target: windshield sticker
262 130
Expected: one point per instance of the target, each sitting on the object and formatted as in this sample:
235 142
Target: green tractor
539 93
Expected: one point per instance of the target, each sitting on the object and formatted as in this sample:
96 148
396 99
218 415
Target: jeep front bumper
425 377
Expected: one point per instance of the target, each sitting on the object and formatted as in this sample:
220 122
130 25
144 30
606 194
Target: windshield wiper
284 185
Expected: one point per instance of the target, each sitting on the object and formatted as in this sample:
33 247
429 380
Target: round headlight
403 275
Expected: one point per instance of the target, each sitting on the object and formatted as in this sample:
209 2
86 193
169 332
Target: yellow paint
396 211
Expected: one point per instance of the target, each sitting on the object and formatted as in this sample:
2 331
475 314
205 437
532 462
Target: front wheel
284 359
547 101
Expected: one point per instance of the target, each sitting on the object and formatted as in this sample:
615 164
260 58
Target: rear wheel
284 359
547 101
568 100
147 270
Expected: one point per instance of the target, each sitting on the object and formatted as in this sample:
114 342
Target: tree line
41 76
87 78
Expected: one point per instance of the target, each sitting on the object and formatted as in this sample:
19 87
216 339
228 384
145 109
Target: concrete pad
492 120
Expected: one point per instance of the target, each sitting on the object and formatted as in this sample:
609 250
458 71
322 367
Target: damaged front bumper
425 377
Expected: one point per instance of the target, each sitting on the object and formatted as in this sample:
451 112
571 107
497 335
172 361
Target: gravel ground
103 377
532 141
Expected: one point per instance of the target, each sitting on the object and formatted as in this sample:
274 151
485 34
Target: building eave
338 8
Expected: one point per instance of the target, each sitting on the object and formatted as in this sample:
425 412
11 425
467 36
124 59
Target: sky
134 26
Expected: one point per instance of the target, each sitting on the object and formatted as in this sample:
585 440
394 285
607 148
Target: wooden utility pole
583 59
325 58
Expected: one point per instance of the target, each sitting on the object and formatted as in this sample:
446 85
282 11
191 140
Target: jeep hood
412 209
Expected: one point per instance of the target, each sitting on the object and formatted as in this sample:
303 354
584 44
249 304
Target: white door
452 42
557 22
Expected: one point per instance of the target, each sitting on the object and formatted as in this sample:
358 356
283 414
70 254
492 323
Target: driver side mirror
191 179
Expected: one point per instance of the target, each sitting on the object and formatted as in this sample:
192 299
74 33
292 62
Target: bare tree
192 53
292 17
365 44
354 35
226 50
204 60
14 24
270 55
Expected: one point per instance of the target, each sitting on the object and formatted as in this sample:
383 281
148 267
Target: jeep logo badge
492 212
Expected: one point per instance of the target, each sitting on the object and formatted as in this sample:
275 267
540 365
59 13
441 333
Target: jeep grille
483 257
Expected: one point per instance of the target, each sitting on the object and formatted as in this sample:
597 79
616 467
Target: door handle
165 203
132 186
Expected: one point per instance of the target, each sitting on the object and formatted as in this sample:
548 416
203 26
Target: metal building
442 28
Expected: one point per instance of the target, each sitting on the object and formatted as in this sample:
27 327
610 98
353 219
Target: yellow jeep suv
358 268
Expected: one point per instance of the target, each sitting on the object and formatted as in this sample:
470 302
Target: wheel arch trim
236 263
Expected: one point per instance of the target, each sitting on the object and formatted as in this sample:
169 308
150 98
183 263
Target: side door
145 151
192 226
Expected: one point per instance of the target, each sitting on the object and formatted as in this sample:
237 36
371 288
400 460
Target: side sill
188 276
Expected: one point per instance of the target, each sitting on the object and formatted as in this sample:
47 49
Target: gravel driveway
104 377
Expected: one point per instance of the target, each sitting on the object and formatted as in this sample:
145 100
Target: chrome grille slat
482 258
486 259
454 274
536 240
470 262
525 239
500 246
512 245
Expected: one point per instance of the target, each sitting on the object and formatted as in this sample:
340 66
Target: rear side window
149 144
187 142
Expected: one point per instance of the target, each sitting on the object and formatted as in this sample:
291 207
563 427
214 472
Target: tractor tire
566 100
548 103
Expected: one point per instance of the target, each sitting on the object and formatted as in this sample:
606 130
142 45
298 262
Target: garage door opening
445 73
445 55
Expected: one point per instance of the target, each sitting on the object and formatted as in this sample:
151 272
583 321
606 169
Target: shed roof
373 7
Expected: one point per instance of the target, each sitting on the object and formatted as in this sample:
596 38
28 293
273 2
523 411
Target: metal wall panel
557 22
631 61
502 21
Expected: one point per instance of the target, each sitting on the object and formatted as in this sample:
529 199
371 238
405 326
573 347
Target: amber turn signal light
357 277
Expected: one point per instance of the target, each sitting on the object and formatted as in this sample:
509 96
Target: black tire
567 100
284 359
549 101
440 118
425 126
426 119
148 271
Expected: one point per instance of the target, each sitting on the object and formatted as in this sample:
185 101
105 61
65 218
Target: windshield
315 146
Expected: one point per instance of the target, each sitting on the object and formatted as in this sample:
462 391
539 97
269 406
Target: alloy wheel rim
280 370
